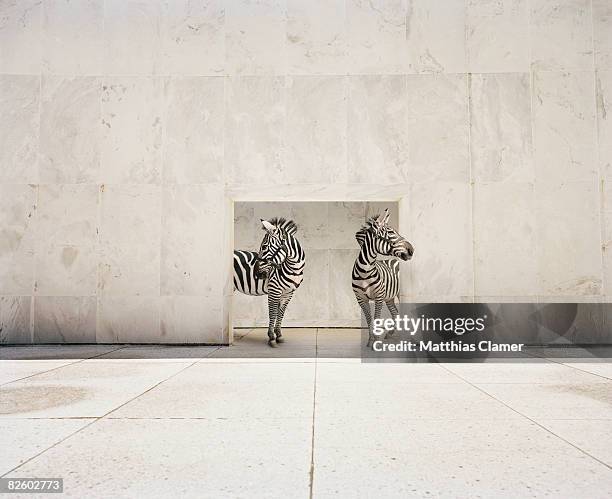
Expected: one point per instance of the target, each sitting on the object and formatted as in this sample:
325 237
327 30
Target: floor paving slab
22 439
232 390
181 458
450 459
555 401
83 389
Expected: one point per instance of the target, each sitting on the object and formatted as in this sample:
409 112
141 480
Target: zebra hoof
280 339
272 343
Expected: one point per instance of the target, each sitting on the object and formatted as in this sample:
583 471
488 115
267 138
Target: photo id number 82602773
30 485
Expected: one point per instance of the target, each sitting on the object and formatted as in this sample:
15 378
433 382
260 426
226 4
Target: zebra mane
370 222
360 235
288 226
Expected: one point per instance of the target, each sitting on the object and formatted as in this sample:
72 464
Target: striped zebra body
378 280
277 270
245 279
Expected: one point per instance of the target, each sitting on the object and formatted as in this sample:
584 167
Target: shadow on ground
248 343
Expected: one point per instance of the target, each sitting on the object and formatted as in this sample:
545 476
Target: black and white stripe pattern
245 279
378 280
276 270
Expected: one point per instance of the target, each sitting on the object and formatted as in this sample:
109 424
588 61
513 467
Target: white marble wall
129 126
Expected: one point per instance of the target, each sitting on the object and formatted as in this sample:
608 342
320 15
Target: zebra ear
267 225
385 219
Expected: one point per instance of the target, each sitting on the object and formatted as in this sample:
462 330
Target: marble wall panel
315 148
376 36
188 31
564 126
604 122
561 35
344 219
191 319
441 233
66 270
316 37
70 130
501 147
378 140
250 311
255 37
606 233
504 239
129 238
20 36
131 144
437 127
65 319
66 254
128 319
132 37
67 214
192 240
436 36
569 238
254 129
311 219
19 128
497 34
193 130
15 319
602 33
17 238
73 37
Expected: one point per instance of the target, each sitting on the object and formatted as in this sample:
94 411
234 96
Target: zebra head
274 249
384 240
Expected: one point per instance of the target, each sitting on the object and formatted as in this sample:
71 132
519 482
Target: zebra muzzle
405 251
262 268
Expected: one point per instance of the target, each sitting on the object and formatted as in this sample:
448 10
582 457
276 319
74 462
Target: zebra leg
273 304
284 301
394 313
364 303
377 309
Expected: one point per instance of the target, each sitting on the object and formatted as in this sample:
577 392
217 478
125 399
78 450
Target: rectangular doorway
326 231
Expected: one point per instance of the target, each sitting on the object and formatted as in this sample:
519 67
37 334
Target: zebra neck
295 256
367 256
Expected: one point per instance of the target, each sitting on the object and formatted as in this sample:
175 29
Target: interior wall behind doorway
326 230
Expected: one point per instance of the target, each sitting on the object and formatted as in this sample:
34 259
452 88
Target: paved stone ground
250 421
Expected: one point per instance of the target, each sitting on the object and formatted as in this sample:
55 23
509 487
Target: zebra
378 280
277 270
